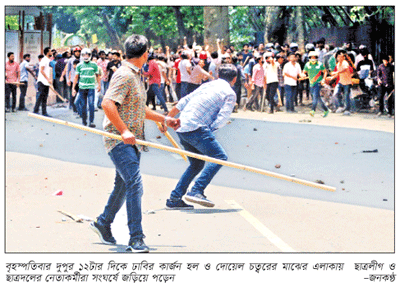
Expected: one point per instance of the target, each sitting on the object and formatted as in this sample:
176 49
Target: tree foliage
167 24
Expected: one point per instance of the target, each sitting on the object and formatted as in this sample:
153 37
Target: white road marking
261 227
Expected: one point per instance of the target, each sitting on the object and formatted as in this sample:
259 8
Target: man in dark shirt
114 64
364 69
386 85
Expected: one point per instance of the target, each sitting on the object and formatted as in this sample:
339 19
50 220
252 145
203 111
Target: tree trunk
179 20
274 26
300 27
115 40
216 26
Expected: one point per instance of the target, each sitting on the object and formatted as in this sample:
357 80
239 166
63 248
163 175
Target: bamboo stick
190 154
173 142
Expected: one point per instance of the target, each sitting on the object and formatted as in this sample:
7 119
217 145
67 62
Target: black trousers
271 92
42 99
22 90
382 91
11 90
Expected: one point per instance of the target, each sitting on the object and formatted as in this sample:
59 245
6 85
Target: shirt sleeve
118 89
224 113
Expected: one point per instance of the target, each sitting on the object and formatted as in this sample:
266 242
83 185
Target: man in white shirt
271 77
44 82
185 69
291 72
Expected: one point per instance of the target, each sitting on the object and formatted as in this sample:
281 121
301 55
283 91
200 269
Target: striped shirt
210 106
87 72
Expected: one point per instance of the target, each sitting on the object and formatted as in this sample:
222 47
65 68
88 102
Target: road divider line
261 227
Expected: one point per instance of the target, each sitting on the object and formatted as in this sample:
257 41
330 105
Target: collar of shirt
131 66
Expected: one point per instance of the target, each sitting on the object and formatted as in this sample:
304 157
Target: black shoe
14 110
103 232
137 246
92 125
47 115
7 110
178 205
23 109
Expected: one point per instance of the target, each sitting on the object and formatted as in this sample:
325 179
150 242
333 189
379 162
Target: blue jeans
127 187
345 89
290 93
315 92
104 88
155 89
184 89
85 96
201 141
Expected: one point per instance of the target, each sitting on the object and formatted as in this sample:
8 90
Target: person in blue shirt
24 69
203 112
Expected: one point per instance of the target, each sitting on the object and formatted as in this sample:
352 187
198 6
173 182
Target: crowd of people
204 88
271 75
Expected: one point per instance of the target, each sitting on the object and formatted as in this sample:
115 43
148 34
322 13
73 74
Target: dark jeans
127 187
22 90
42 99
85 97
271 92
104 88
345 89
178 90
290 93
11 90
192 88
201 141
71 98
315 92
184 89
382 91
154 90
60 87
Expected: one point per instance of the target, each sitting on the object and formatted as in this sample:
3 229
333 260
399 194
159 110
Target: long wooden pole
190 154
173 142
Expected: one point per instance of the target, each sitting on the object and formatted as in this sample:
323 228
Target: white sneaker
340 110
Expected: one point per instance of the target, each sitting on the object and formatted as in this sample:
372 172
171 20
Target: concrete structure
33 35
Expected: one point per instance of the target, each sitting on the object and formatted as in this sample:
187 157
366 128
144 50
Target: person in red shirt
178 76
154 76
12 77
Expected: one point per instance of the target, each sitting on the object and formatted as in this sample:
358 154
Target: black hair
384 57
291 53
9 54
184 56
76 62
161 57
46 50
227 72
102 52
135 46
214 55
339 52
364 52
234 60
41 56
151 56
27 56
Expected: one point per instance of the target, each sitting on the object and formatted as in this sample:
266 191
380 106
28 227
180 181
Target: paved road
253 213
331 154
